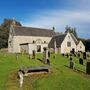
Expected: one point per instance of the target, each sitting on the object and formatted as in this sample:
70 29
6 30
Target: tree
71 30
8 22
4 31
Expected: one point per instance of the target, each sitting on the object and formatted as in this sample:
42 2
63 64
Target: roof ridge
34 28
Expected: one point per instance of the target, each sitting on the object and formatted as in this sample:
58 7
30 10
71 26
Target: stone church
27 39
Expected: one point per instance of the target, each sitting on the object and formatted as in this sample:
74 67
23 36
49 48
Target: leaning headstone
81 61
84 55
21 78
88 68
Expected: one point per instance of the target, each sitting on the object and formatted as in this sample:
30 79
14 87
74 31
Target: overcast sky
49 13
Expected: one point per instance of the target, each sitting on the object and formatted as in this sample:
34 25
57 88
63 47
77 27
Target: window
68 44
44 41
34 42
38 48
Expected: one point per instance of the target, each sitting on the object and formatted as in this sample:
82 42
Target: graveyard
61 76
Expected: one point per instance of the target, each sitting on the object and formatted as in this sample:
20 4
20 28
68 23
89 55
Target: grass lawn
60 78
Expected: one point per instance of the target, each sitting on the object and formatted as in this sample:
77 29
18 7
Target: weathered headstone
78 55
48 61
81 61
71 63
44 55
33 54
21 78
84 55
88 68
49 54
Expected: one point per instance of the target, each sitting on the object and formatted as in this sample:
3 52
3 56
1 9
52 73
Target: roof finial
53 28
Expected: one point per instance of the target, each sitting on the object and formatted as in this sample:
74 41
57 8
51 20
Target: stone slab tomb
35 70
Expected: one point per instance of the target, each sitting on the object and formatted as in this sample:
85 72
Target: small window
34 42
44 41
80 47
68 44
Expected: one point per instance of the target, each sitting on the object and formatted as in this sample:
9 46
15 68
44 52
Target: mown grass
60 78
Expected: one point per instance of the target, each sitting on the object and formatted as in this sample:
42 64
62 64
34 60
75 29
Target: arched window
38 41
34 41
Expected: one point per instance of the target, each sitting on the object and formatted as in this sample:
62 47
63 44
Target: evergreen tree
71 30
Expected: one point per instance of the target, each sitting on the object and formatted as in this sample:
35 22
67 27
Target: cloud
61 18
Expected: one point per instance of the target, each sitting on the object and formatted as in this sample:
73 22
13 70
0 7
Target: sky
49 13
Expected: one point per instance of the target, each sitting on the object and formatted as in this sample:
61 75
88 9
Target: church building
26 39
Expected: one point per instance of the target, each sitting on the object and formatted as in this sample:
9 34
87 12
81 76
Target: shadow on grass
75 70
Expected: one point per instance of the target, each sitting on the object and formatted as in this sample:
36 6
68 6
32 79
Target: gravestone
67 55
62 54
44 55
21 78
17 56
49 54
33 54
84 55
71 64
70 58
48 61
78 55
88 68
81 61
74 55
73 51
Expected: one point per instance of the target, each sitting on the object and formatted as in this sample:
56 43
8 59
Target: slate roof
30 31
74 38
59 39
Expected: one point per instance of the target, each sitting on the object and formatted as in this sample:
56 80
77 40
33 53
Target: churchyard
61 76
